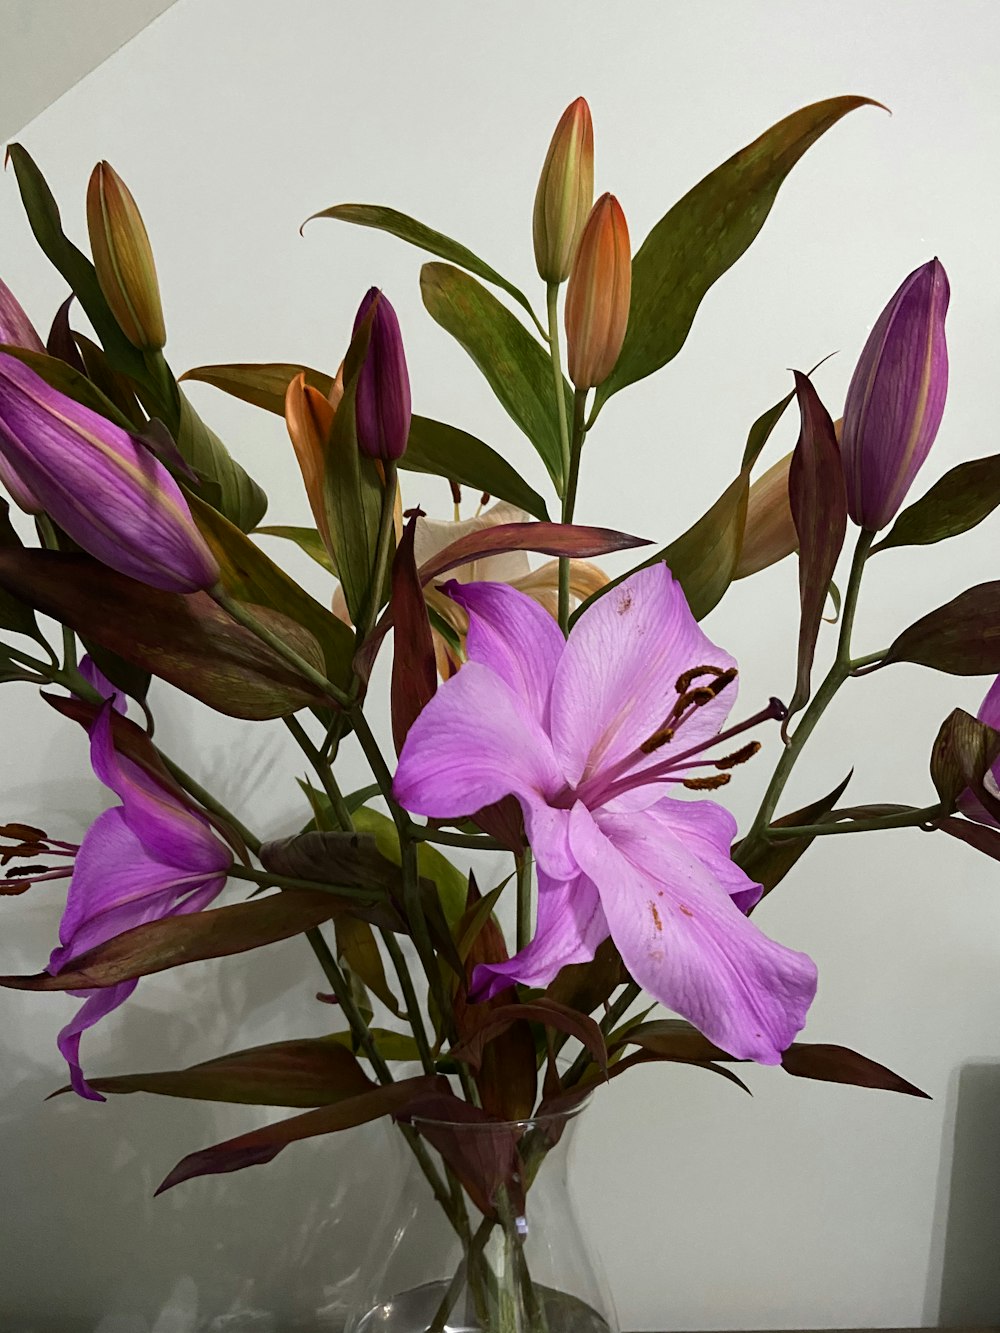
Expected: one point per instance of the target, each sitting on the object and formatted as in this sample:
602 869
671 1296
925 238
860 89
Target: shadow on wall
963 1287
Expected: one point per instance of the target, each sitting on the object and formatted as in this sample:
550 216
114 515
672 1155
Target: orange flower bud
565 193
597 298
769 533
309 417
123 259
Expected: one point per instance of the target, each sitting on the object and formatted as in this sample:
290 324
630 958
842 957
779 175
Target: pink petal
513 636
97 1004
169 831
570 926
708 830
686 942
474 743
615 685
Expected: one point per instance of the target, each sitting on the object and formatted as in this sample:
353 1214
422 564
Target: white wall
810 1206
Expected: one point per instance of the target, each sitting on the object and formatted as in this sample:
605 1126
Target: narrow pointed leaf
961 638
239 497
959 501
425 238
61 342
545 1011
117 388
769 862
432 864
187 640
414 671
351 859
252 576
587 986
309 1071
175 940
306 539
482 1152
390 1045
705 233
515 365
572 539
839 1064
358 947
761 430
263 384
818 499
446 451
263 1145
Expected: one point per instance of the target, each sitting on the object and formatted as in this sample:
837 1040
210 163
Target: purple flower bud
17 330
382 402
100 485
896 398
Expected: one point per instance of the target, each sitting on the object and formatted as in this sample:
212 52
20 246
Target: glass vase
483 1237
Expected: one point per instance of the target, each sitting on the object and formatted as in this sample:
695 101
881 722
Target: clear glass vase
483 1237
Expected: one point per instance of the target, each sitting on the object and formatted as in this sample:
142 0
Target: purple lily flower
896 398
148 858
577 730
382 402
100 485
970 804
17 330
98 681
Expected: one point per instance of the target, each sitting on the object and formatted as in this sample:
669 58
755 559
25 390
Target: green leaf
515 365
446 451
358 947
307 539
252 576
263 1145
425 238
761 431
186 639
704 234
175 940
239 497
263 384
73 264
962 637
959 501
433 865
336 858
115 387
352 491
309 1071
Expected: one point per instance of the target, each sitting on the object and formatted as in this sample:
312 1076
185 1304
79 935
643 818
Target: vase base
414 1311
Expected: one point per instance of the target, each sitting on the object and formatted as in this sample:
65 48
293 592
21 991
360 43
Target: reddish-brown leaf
414 673
481 1151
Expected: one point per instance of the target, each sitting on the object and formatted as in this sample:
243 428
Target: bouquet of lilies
583 728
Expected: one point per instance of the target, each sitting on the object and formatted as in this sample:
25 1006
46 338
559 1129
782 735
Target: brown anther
699 696
456 492
706 784
657 739
738 756
723 680
685 681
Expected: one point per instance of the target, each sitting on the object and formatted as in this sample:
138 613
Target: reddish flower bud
565 193
597 298
896 398
382 400
123 259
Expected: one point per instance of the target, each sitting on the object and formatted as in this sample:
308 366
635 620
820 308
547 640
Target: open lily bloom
148 858
578 730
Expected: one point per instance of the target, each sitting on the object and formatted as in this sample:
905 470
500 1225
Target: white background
809 1206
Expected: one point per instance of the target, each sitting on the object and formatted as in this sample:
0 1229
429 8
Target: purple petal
686 942
571 924
100 485
97 1004
515 637
473 744
176 835
616 683
117 885
708 830
896 398
98 681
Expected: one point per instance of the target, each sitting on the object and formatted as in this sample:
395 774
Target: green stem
905 819
835 677
323 771
208 801
552 302
266 878
383 542
477 841
609 1022
569 500
523 933
243 616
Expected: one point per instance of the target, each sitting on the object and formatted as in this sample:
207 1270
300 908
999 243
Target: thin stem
323 771
569 500
477 841
209 802
243 616
868 660
523 932
44 669
904 819
266 878
609 1022
383 541
835 677
552 305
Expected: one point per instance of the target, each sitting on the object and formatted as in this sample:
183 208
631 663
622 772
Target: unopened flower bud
100 484
565 193
769 532
17 330
309 418
382 399
896 398
124 259
597 298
